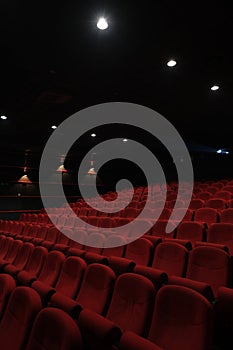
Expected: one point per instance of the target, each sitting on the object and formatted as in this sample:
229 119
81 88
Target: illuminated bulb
93 135
102 24
54 127
219 151
125 140
3 117
171 63
214 87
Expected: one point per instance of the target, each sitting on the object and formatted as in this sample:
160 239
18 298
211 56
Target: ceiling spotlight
214 87
54 127
93 135
102 24
124 140
222 151
171 63
3 117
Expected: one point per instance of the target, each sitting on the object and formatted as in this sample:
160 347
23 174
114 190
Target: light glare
54 127
3 117
102 24
214 87
171 63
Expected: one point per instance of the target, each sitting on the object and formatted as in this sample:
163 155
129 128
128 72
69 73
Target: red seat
140 251
50 238
15 327
206 215
21 259
33 266
118 246
130 309
68 282
221 233
182 319
226 216
210 265
132 341
196 203
193 231
171 258
94 294
11 253
216 203
53 329
49 273
7 285
159 229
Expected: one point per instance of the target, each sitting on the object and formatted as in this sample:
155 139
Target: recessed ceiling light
171 63
214 87
102 24
93 135
4 117
125 140
54 127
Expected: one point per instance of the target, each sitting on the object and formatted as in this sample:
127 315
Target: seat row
204 268
52 238
138 317
205 215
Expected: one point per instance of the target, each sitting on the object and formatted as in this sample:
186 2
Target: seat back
132 303
22 308
140 251
51 268
210 265
182 319
171 258
192 231
71 276
96 288
221 233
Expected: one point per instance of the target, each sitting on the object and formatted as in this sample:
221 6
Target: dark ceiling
54 62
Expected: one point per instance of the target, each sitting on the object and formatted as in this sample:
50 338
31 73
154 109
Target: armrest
25 278
43 290
98 330
201 287
157 277
66 304
130 340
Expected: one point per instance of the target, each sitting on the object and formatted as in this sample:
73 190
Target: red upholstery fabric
7 285
22 308
132 341
120 265
140 251
94 294
193 231
132 303
206 215
50 271
21 259
157 277
53 329
33 266
210 265
171 258
181 320
159 229
226 216
221 233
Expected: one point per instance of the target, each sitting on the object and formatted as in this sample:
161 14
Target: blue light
222 151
